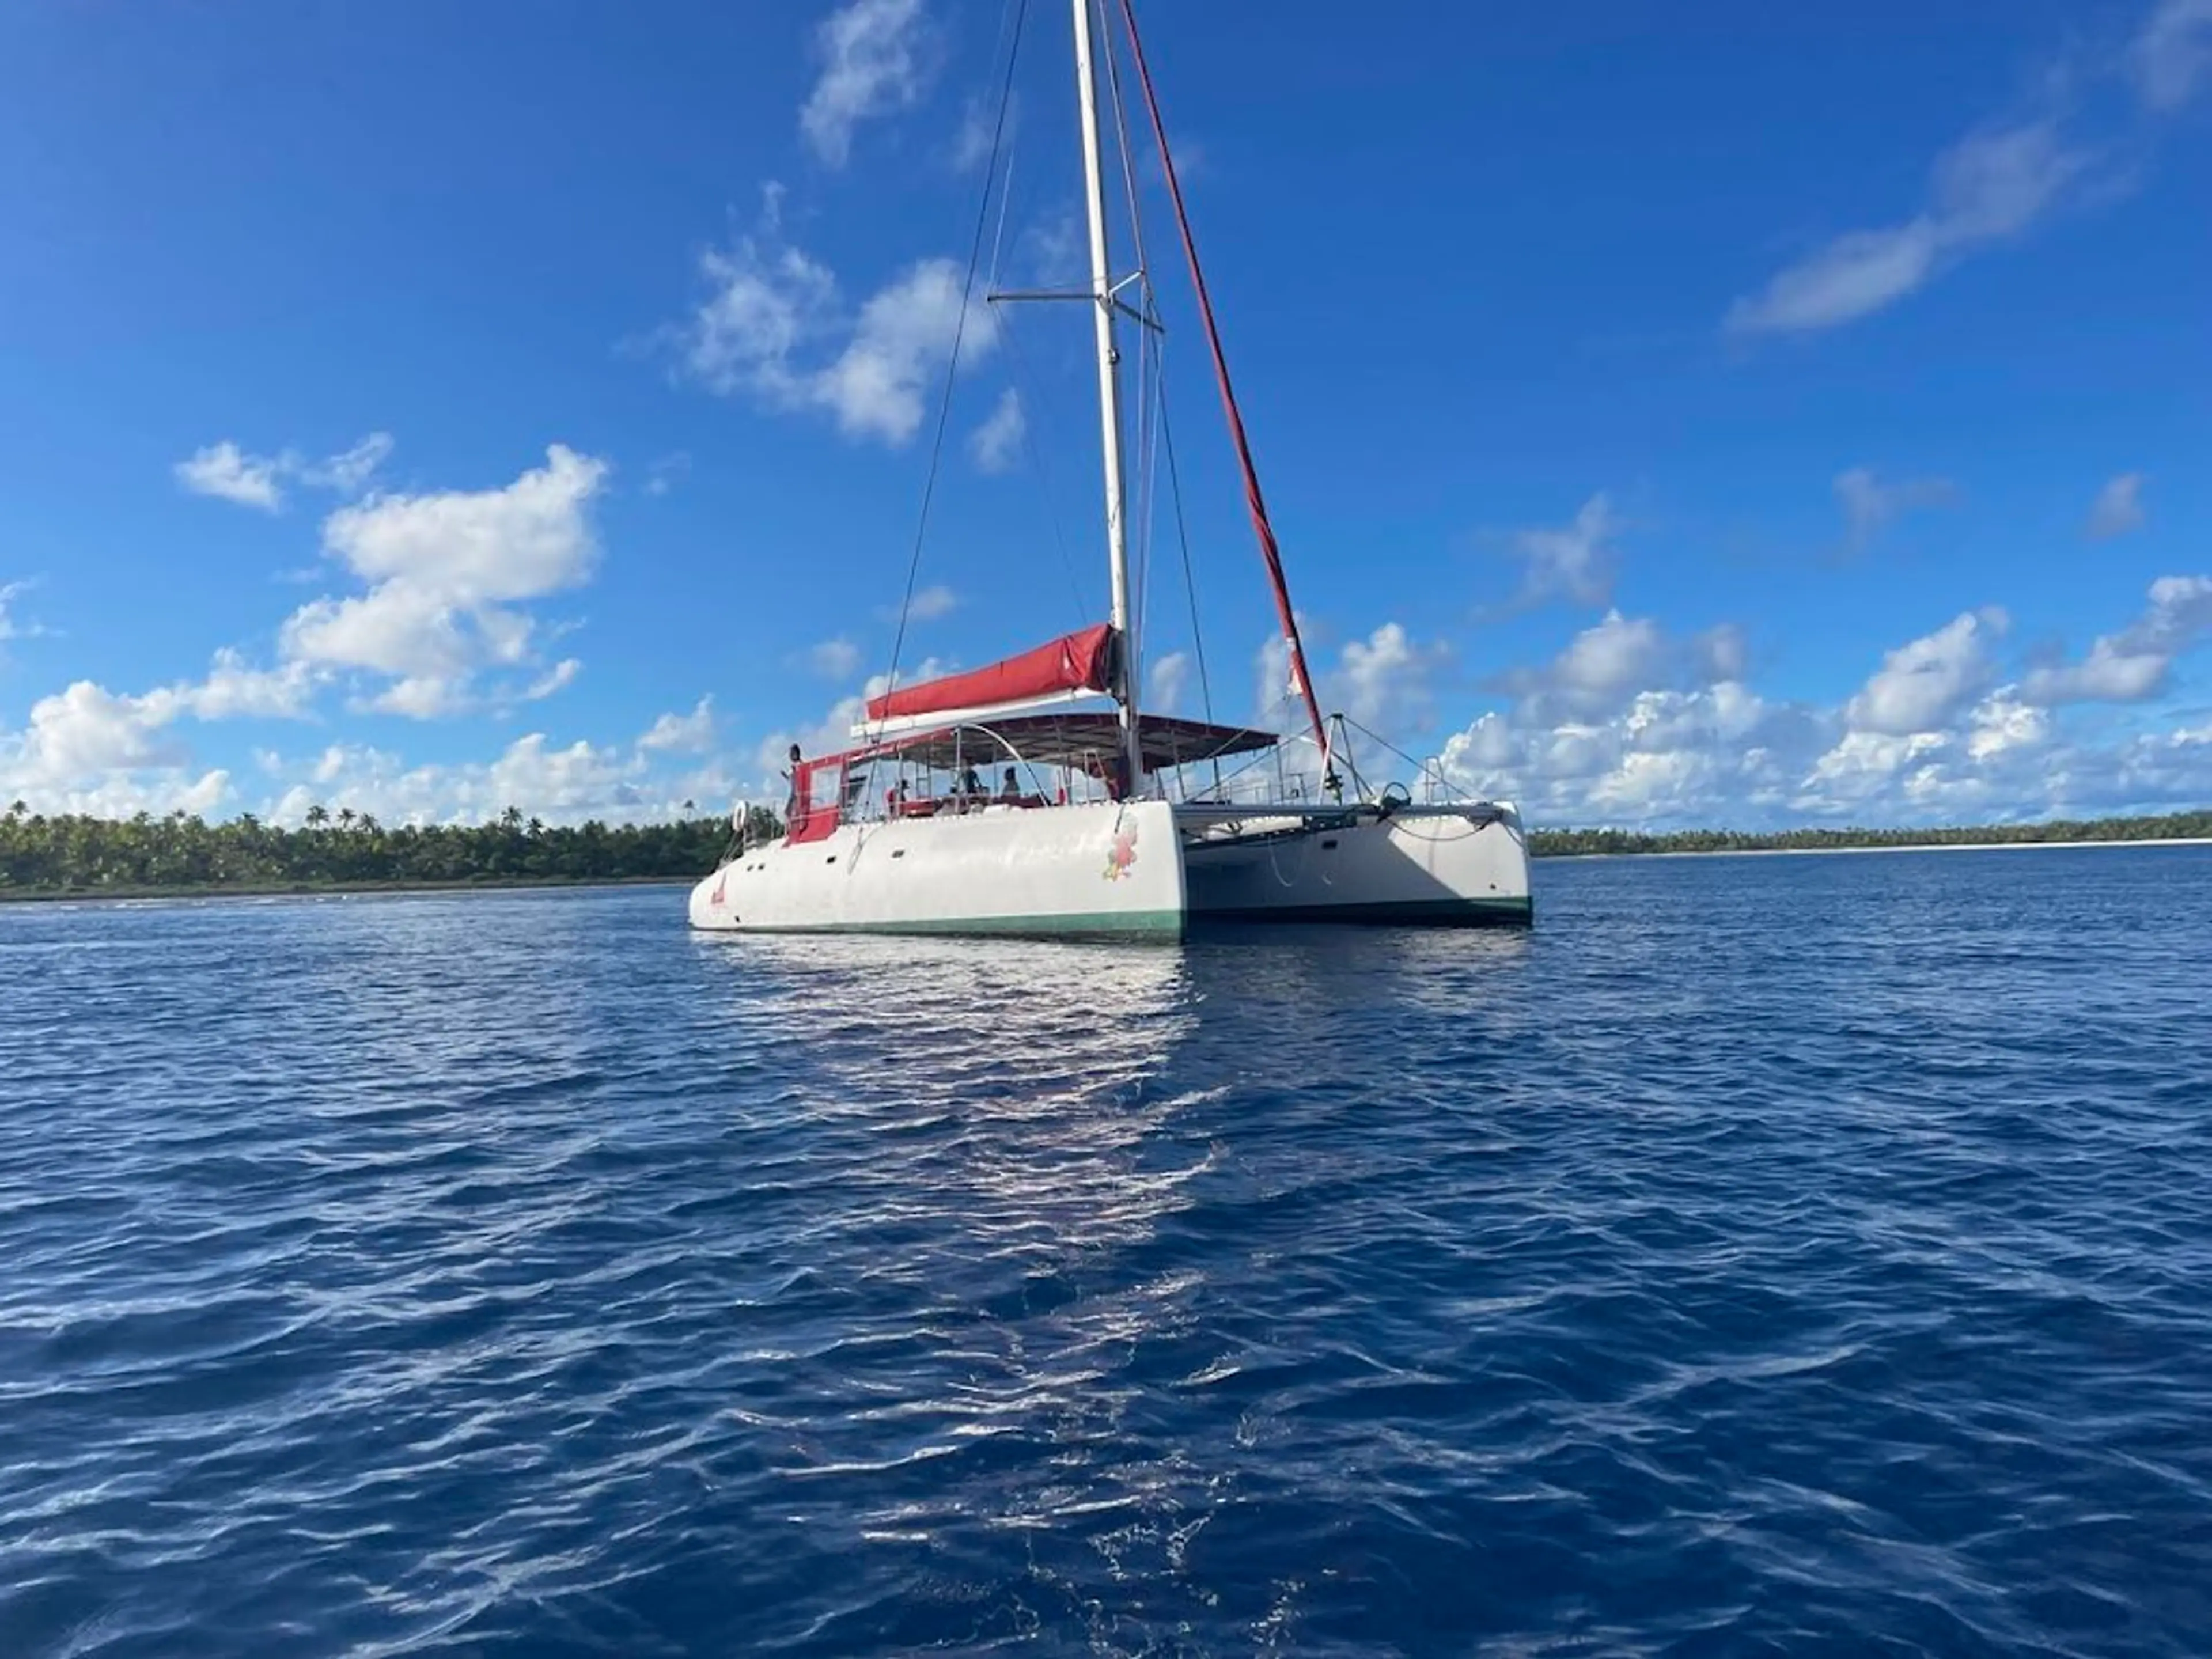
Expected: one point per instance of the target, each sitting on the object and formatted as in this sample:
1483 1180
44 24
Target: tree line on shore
1584 844
74 853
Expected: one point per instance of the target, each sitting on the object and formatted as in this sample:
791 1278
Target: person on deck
791 805
1010 791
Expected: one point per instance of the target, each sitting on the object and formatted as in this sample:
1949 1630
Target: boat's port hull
1095 872
1418 866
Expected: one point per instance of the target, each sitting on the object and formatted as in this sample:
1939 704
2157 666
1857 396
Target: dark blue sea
1763 1255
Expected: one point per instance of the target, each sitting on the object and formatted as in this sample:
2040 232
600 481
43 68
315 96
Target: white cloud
1385 682
88 748
971 145
348 470
1721 652
1871 506
834 660
933 602
2000 723
768 303
1631 727
1165 680
997 443
876 61
235 690
529 537
445 571
2172 55
559 678
88 729
2134 664
692 734
540 779
225 471
1921 686
419 697
2119 507
1575 561
769 329
661 476
1599 670
1990 186
875 385
11 626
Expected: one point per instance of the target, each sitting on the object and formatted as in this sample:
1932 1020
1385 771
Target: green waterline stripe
1165 926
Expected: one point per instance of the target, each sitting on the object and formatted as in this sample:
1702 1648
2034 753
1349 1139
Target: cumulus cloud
877 60
1989 187
560 783
775 328
997 443
691 734
88 749
447 573
2135 663
12 626
1599 670
1575 560
224 471
348 470
2119 507
1165 679
1631 726
228 472
1922 685
933 602
1385 682
834 660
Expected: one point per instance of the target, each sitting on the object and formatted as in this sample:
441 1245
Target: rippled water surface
1763 1255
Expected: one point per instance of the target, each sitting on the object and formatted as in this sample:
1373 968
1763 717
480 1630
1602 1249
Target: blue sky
1768 415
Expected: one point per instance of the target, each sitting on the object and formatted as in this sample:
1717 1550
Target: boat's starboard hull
1418 866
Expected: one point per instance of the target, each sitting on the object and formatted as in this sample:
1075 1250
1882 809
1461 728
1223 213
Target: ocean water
1763 1255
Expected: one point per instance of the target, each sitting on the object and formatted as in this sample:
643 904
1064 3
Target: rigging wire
959 331
1189 579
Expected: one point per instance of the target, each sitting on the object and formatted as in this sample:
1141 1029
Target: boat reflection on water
1010 1191
1025 1076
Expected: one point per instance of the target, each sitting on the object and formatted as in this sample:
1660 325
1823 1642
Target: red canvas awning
1076 662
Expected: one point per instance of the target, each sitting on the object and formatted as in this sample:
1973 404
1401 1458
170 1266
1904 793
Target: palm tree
317 818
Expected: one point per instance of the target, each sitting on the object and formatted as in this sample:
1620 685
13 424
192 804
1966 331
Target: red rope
1252 496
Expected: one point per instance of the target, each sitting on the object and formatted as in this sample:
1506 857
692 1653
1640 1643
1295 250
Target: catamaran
1034 797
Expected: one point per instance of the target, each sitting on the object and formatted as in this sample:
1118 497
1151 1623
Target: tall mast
1110 402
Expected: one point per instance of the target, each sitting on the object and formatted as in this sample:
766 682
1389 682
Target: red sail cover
1078 662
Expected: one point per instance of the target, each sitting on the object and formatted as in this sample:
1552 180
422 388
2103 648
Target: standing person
791 801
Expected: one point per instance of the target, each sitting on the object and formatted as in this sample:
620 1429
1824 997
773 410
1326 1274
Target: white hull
1419 866
1141 870
1101 870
